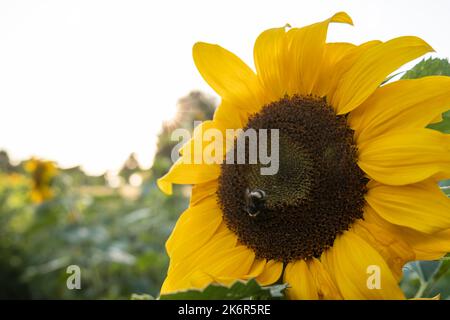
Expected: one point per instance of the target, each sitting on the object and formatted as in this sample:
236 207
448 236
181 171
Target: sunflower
42 173
357 183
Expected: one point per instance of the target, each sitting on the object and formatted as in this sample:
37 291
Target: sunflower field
115 231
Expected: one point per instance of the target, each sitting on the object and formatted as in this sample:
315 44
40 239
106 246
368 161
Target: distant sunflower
357 183
42 173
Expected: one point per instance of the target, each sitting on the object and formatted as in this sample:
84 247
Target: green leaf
429 67
240 290
444 125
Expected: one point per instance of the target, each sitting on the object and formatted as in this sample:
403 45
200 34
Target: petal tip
199 46
164 186
342 17
417 41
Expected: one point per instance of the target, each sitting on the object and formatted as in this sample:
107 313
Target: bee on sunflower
42 173
357 182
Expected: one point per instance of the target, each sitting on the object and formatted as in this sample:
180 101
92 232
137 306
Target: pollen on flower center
317 193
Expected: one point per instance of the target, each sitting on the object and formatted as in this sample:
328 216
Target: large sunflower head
356 188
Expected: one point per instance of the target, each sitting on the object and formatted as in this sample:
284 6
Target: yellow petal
392 248
181 270
203 191
352 262
212 139
195 239
194 228
326 287
182 173
425 246
333 55
225 267
437 119
260 271
399 105
405 157
229 116
208 145
200 280
223 239
421 206
237 263
343 66
306 52
270 53
300 280
256 269
271 274
228 75
372 67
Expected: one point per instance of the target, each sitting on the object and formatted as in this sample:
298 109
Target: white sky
89 82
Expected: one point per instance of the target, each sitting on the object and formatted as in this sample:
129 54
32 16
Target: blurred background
90 92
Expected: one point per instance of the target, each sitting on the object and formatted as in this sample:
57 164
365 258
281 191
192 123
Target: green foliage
240 290
116 239
444 125
427 279
429 67
115 234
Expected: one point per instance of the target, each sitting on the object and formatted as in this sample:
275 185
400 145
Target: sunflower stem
422 288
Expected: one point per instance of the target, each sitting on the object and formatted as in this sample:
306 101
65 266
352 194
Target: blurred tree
196 106
5 164
130 167
79 178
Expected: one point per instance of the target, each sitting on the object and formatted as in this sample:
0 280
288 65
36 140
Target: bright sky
90 81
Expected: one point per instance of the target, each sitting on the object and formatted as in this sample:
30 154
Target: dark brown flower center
317 193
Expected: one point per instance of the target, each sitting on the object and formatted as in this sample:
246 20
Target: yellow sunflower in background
42 173
358 171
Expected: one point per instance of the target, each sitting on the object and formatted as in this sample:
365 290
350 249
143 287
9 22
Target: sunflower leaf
429 67
240 290
444 125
